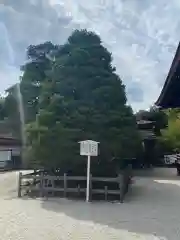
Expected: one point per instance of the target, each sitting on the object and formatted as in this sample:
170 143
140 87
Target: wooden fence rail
44 184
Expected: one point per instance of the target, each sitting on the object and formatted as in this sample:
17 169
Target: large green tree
82 98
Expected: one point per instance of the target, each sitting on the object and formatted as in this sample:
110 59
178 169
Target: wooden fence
45 184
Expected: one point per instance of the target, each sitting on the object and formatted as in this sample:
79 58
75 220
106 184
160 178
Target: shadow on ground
152 207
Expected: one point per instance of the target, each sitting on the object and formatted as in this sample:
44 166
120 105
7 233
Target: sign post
88 148
88 178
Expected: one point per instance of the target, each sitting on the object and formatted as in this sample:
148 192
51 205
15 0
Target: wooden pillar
19 184
41 184
79 190
121 187
65 184
106 193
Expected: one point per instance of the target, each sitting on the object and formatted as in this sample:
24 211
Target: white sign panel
88 148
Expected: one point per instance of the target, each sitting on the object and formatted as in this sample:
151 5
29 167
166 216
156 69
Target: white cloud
6 51
142 35
9 75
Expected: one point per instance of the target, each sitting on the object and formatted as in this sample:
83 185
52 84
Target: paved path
151 212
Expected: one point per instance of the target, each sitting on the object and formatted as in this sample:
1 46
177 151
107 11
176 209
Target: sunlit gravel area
151 211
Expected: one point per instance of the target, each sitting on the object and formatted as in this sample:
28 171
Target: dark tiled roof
170 97
9 142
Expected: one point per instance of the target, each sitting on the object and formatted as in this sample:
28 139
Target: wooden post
121 188
65 184
53 186
19 184
79 190
41 184
106 192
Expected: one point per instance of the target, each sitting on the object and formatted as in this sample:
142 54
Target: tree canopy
81 97
72 93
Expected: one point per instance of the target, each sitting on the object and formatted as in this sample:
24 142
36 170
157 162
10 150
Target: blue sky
142 35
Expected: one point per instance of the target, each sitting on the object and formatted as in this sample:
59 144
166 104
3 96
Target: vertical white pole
88 175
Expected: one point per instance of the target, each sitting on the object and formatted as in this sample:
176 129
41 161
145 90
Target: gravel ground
150 212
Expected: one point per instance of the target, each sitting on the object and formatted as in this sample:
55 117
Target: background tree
170 139
34 73
81 98
157 116
2 108
156 121
9 112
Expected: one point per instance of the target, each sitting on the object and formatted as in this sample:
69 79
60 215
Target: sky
141 34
